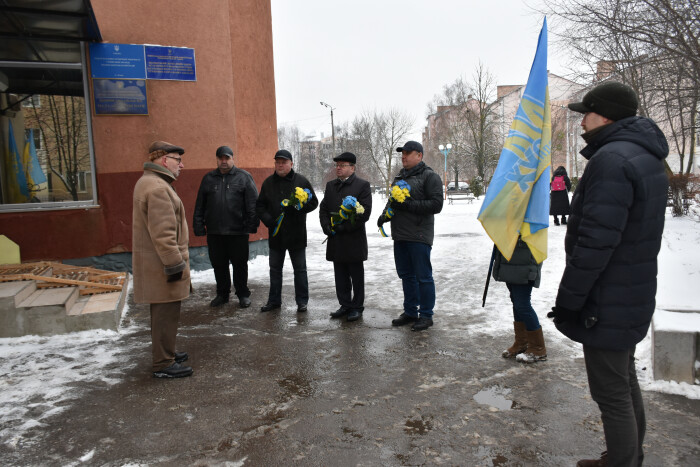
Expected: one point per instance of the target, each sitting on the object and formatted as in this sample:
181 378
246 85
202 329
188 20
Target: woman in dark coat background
559 195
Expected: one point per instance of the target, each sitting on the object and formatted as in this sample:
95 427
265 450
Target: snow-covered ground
38 374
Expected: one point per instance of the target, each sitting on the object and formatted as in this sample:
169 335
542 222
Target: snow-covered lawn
38 374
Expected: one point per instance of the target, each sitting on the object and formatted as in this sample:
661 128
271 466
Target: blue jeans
413 267
522 308
301 281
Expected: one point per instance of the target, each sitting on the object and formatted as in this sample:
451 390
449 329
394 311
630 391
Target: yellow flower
359 208
398 194
301 195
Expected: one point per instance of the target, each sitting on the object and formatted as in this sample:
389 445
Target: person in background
160 254
225 213
559 195
347 241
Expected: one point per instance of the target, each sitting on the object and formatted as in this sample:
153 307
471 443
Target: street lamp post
332 125
445 150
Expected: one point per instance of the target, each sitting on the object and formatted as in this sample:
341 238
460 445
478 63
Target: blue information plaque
120 96
170 63
124 61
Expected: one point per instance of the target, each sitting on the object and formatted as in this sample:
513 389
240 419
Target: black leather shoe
269 307
340 312
354 315
181 357
302 309
422 324
173 371
404 319
219 300
244 302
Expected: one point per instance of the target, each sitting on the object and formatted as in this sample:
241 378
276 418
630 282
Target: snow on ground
38 374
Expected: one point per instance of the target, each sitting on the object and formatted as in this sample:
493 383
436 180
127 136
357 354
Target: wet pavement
282 388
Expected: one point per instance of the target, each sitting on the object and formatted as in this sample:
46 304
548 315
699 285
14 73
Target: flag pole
488 276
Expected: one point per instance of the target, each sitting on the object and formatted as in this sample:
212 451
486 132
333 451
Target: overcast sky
378 54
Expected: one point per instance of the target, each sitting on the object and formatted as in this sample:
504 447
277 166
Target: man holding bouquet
285 199
346 206
416 198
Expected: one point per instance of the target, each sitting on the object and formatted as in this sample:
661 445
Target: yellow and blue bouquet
399 192
349 210
297 199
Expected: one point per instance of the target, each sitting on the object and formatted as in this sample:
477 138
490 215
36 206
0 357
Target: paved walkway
285 389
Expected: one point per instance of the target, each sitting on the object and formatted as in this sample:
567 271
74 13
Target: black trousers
349 278
225 249
612 379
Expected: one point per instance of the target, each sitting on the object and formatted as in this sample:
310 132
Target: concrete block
674 354
11 295
43 313
100 311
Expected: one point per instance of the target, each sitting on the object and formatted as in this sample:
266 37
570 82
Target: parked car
462 186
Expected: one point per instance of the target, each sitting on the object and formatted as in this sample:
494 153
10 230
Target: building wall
231 103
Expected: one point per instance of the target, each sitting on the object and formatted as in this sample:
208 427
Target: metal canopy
40 45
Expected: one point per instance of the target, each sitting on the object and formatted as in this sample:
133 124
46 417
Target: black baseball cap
411 146
611 100
283 154
224 151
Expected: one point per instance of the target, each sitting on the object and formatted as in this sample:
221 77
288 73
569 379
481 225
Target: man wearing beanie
225 213
606 297
347 241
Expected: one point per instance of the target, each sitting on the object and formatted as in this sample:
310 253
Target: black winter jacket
521 269
292 233
614 236
349 244
415 220
226 204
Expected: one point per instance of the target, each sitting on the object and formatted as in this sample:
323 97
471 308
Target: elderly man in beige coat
160 258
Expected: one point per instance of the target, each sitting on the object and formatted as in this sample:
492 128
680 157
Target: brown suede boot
520 344
602 462
536 351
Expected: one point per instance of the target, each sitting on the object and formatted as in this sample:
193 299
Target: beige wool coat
160 238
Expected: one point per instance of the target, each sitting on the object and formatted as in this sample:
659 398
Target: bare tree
466 119
652 45
289 138
62 121
377 135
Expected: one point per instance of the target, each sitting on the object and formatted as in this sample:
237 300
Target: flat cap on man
611 100
411 146
283 154
224 151
164 146
346 157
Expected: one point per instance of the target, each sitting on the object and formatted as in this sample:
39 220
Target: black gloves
175 277
382 220
401 206
327 230
561 314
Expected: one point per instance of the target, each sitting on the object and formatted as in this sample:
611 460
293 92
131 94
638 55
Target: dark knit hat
346 157
611 100
283 154
224 151
167 147
411 146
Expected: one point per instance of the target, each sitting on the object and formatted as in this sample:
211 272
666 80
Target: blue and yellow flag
32 169
17 188
517 199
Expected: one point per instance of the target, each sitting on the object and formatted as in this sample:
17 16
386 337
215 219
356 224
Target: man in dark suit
347 241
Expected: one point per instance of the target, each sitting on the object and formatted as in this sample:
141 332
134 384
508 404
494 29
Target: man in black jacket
347 241
607 293
412 229
291 234
225 213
